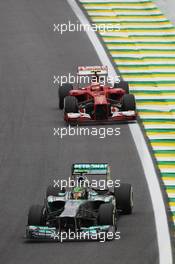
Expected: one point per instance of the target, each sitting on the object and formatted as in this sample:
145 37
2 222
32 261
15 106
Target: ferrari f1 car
96 101
85 210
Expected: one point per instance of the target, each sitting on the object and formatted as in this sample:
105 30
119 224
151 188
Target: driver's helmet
78 193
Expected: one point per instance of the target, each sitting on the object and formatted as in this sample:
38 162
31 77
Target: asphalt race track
31 157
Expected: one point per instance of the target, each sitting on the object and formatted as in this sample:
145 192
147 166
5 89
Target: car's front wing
99 233
117 117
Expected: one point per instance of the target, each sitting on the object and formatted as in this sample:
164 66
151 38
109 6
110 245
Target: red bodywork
101 96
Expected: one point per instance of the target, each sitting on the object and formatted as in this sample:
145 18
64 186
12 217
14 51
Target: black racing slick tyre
36 215
70 104
63 91
128 102
124 198
122 84
52 191
106 214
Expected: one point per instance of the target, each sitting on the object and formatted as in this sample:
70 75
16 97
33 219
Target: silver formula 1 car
88 209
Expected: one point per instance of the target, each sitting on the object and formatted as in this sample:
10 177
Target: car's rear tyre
52 191
36 215
70 104
63 91
122 84
124 198
106 214
128 102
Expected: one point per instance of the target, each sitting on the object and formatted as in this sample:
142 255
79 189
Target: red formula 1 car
96 101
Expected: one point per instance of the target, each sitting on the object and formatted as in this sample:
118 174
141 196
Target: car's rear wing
90 168
91 70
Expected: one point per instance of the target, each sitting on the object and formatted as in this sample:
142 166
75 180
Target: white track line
163 235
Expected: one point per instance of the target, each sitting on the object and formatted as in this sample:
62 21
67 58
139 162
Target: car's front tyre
124 198
128 102
63 91
36 215
70 104
107 214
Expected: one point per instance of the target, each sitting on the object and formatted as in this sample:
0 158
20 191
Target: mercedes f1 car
96 101
85 210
